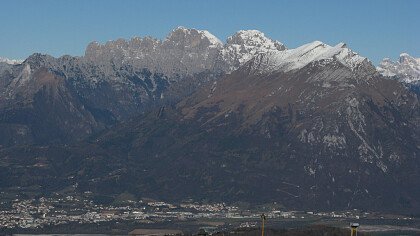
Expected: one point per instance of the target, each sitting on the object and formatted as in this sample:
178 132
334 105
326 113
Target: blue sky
373 28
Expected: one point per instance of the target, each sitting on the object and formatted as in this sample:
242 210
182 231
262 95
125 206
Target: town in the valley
56 212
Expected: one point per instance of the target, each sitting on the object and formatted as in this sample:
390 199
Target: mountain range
405 70
189 117
10 61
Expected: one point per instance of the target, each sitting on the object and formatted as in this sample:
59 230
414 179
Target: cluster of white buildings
36 213
42 212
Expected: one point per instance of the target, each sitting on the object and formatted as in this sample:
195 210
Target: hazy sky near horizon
373 28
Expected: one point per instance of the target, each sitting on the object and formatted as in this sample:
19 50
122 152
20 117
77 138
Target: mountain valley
317 127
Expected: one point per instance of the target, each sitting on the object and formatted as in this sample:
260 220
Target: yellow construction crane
263 220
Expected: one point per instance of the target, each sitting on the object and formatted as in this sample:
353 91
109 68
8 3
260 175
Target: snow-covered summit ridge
254 38
406 69
10 61
246 44
189 51
299 57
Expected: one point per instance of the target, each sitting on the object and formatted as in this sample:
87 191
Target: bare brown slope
39 108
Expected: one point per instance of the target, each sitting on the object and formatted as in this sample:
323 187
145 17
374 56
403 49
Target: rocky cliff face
184 51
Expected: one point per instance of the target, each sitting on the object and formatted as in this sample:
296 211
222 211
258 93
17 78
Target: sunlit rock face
184 51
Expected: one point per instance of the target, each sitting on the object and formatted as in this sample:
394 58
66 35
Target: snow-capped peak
193 34
213 39
406 69
299 57
406 58
246 44
254 38
404 54
10 61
